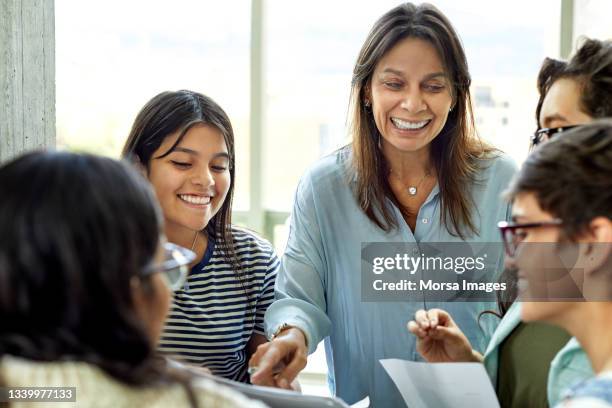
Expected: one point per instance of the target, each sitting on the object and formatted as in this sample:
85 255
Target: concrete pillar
27 76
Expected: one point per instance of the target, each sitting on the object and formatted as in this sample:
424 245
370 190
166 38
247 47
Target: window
113 56
311 49
592 19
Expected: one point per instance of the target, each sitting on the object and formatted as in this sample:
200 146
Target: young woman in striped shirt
184 143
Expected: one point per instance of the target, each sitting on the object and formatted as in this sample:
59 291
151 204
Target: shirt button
425 220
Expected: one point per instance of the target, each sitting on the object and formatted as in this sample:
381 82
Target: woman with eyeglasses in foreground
85 286
183 143
571 93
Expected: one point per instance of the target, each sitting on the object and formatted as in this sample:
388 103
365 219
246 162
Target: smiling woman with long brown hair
415 172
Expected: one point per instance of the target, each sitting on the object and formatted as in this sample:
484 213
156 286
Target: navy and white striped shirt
212 318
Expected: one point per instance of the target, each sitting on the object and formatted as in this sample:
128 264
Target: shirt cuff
312 321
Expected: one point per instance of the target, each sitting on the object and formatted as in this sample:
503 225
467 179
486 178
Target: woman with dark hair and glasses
415 172
574 92
85 285
561 244
571 93
183 143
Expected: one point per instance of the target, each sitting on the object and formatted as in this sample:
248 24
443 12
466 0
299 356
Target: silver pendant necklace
412 190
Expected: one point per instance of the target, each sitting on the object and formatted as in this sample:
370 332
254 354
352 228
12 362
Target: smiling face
410 96
191 182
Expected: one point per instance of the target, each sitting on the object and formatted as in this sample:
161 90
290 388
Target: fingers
426 323
422 318
443 333
415 328
429 319
457 346
439 317
288 375
287 354
438 332
259 352
263 361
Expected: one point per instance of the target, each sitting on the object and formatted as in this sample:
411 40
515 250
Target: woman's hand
439 339
278 362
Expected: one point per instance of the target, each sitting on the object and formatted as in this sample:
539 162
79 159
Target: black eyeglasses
175 266
543 134
513 233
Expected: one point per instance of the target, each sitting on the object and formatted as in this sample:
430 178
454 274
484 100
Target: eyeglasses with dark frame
512 234
175 266
538 136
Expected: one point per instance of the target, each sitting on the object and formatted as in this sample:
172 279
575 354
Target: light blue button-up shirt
318 287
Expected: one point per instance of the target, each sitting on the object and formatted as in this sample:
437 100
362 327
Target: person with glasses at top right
530 364
575 92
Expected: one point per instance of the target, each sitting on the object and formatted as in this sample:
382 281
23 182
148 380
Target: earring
451 109
367 103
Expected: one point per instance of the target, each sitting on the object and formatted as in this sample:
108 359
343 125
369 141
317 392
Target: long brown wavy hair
455 152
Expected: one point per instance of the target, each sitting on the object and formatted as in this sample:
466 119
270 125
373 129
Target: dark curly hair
591 67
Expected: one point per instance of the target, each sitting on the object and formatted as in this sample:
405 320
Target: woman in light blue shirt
414 173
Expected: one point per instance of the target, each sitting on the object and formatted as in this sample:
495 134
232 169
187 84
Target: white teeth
195 199
403 124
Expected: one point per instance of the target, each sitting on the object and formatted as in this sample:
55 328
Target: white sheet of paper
364 403
442 385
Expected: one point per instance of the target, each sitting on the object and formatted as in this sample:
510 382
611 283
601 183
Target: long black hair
75 229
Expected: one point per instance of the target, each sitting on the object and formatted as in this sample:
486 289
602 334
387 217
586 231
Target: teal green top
569 367
525 356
